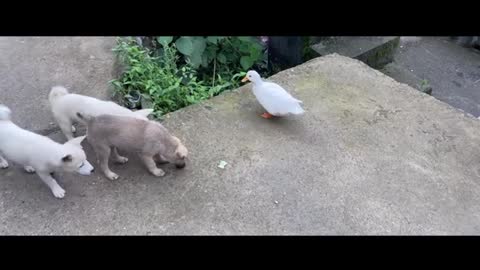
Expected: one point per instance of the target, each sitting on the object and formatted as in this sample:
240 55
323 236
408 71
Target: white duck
275 100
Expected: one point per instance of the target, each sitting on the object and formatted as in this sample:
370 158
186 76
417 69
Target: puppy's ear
181 152
77 140
177 140
67 158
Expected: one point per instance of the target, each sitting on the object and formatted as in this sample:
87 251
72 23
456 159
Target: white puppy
65 107
39 153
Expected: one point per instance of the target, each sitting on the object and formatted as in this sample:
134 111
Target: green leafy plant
425 87
166 77
228 51
424 83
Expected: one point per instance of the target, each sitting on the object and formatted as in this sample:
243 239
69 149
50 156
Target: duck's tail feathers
4 112
298 110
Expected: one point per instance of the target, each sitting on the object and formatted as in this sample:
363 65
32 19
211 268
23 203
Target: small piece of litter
276 202
222 164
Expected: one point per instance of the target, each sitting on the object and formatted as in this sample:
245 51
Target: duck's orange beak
245 79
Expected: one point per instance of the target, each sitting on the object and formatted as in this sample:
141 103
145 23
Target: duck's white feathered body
275 99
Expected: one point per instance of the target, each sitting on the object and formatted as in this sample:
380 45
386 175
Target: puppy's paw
159 159
121 160
112 176
29 169
74 129
3 164
158 172
58 192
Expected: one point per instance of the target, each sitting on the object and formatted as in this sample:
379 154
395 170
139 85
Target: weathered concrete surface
452 70
370 156
376 52
30 66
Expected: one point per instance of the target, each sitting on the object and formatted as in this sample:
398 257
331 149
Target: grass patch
176 72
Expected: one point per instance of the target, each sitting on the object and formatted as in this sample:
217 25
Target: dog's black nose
180 165
93 170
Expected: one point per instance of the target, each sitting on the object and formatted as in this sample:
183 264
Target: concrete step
452 70
373 51
404 75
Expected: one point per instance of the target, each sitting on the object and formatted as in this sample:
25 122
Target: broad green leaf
221 58
245 39
185 45
211 50
195 60
212 39
257 46
244 48
199 45
246 62
164 41
195 57
255 55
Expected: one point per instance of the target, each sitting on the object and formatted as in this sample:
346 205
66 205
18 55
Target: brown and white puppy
148 139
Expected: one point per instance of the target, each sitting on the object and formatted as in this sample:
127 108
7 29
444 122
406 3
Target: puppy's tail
4 112
56 92
84 117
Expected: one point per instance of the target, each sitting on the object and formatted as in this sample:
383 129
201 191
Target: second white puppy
39 153
65 107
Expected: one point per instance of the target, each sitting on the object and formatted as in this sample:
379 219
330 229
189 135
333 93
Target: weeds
167 79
